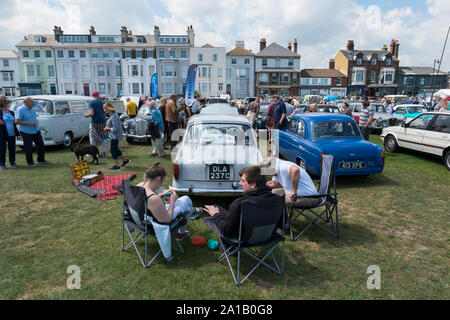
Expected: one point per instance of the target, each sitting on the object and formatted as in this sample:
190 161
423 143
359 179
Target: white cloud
322 27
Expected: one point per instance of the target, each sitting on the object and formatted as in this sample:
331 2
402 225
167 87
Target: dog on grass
81 150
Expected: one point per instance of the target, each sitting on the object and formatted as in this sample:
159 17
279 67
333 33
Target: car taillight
383 156
176 171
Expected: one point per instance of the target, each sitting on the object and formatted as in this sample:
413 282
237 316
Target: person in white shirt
290 180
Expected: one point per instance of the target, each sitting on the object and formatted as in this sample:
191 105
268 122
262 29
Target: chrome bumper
136 136
207 192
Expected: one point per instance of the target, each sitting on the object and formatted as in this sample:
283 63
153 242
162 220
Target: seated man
254 187
291 181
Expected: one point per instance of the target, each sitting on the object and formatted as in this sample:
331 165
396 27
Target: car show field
396 220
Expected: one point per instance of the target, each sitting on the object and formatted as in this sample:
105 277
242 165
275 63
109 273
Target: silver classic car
214 149
137 128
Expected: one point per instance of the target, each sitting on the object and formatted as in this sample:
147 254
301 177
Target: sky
321 27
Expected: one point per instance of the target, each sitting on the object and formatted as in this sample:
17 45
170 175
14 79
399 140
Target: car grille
141 127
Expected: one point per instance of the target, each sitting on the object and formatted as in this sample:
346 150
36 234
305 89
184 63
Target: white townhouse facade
211 71
240 72
172 54
9 73
114 65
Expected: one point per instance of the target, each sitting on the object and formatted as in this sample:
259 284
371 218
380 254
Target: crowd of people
168 114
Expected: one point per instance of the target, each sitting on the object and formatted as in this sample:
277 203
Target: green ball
212 244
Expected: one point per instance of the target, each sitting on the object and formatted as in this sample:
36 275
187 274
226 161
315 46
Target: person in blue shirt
279 114
8 133
97 133
30 132
157 139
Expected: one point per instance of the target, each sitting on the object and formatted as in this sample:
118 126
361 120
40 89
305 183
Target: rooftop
275 50
321 73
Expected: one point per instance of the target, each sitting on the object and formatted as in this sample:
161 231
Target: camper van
60 118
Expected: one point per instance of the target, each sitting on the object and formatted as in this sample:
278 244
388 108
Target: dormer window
388 61
373 61
358 61
140 39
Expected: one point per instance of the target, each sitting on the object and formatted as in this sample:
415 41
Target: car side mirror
405 125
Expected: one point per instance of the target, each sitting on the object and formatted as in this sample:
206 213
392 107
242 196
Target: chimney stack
392 47
262 44
396 48
57 31
92 31
240 44
295 45
350 45
331 64
124 33
191 35
384 47
289 46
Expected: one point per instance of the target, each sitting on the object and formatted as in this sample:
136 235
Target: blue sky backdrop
322 27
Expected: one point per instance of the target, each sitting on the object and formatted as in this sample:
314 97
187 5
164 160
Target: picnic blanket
105 189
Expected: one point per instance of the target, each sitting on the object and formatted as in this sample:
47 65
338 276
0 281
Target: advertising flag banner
154 86
190 85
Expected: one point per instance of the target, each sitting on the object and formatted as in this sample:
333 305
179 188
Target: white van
60 118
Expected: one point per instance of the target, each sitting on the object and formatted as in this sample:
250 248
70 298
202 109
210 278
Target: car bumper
19 142
207 192
136 136
358 172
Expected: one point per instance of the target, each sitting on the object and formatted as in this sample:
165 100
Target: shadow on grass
403 155
362 181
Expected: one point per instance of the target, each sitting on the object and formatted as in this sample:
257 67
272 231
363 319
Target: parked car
429 133
408 110
138 128
214 149
381 117
309 135
262 114
324 108
60 118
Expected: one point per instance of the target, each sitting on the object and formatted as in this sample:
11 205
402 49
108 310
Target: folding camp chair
326 200
257 228
135 218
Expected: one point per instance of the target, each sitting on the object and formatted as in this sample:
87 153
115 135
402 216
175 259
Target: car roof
219 108
322 116
218 118
57 97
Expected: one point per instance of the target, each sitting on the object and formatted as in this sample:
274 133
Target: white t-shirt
305 187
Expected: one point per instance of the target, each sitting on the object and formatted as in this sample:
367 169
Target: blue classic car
309 135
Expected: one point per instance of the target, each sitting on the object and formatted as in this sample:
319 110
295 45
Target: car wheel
390 144
129 140
68 138
447 159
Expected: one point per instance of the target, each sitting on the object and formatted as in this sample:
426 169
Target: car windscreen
220 133
328 109
144 111
263 108
40 106
414 109
333 129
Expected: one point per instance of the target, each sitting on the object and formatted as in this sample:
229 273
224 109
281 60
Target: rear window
333 129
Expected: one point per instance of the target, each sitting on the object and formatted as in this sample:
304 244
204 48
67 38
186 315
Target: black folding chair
258 226
327 218
134 218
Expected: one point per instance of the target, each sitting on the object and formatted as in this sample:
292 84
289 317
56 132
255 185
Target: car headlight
125 125
43 131
132 131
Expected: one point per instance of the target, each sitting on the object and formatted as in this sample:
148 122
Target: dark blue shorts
115 152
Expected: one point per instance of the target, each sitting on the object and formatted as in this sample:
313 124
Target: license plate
219 172
352 164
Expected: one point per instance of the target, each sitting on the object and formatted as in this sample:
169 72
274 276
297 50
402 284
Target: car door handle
419 133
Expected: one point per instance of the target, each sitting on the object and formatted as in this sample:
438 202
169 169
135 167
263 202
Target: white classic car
215 147
429 132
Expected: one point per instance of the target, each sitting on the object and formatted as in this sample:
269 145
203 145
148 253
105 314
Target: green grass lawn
397 220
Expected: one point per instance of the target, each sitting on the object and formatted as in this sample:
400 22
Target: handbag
80 169
154 131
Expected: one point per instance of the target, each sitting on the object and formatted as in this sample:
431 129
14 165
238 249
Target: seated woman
153 181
